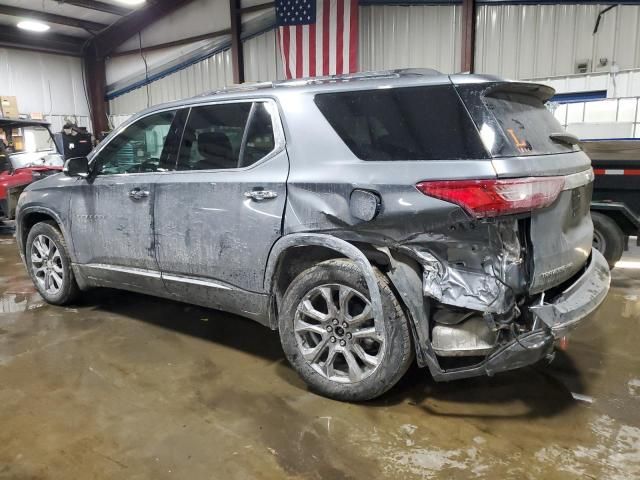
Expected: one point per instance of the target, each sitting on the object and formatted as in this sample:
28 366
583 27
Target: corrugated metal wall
625 83
610 118
527 41
410 36
262 61
43 83
210 74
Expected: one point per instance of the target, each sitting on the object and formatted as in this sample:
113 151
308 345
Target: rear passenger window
225 136
213 137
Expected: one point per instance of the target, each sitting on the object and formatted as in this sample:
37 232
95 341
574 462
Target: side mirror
76 167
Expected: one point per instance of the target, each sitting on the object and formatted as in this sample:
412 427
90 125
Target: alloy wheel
337 334
46 265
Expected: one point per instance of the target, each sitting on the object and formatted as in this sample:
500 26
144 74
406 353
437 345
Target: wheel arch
285 263
32 215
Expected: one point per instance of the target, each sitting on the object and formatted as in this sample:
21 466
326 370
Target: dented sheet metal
467 289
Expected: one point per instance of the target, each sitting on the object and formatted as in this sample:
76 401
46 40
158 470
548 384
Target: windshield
36 159
27 140
31 146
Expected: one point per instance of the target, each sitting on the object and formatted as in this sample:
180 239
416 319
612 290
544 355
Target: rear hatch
525 140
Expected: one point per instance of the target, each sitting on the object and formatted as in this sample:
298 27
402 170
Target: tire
49 264
608 238
380 361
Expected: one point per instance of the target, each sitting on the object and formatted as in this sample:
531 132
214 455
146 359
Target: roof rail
403 72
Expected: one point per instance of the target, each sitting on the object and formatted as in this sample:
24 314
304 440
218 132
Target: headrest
214 144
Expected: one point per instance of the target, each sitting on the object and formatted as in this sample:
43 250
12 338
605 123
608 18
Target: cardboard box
9 107
18 143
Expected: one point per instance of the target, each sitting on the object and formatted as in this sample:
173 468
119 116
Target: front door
219 214
112 213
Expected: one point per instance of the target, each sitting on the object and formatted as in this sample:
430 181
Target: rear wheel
330 336
49 264
608 239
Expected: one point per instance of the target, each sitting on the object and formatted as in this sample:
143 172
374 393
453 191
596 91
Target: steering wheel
147 166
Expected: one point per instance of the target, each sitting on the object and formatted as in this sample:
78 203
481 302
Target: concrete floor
127 386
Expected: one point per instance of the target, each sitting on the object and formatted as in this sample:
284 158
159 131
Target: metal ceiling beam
51 18
46 42
174 43
108 40
99 6
257 8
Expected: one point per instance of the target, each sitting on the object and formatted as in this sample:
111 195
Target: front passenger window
141 147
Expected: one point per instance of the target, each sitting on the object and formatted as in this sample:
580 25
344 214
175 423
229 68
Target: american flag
317 37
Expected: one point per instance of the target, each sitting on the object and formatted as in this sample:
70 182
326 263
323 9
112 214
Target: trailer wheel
608 239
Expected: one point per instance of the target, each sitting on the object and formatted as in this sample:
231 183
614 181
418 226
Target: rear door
218 215
522 137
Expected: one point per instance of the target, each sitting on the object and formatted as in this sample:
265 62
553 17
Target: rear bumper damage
549 319
579 300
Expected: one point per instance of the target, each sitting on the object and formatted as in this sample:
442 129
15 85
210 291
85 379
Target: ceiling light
33 26
131 2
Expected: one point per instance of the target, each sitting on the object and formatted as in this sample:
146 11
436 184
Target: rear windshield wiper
565 137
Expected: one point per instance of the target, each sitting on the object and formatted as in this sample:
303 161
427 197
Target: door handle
259 195
138 194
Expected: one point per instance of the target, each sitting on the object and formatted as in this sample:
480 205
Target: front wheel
330 336
608 239
49 264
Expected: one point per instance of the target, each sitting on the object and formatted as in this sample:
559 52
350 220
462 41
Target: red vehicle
27 153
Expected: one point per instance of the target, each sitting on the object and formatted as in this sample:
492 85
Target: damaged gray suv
370 219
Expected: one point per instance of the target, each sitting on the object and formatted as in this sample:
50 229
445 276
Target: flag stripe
353 34
292 52
340 11
346 32
333 28
285 45
305 51
326 20
312 50
299 48
319 37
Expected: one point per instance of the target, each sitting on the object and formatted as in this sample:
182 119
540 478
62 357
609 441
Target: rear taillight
490 198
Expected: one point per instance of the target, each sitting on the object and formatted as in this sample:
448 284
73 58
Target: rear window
513 119
410 123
